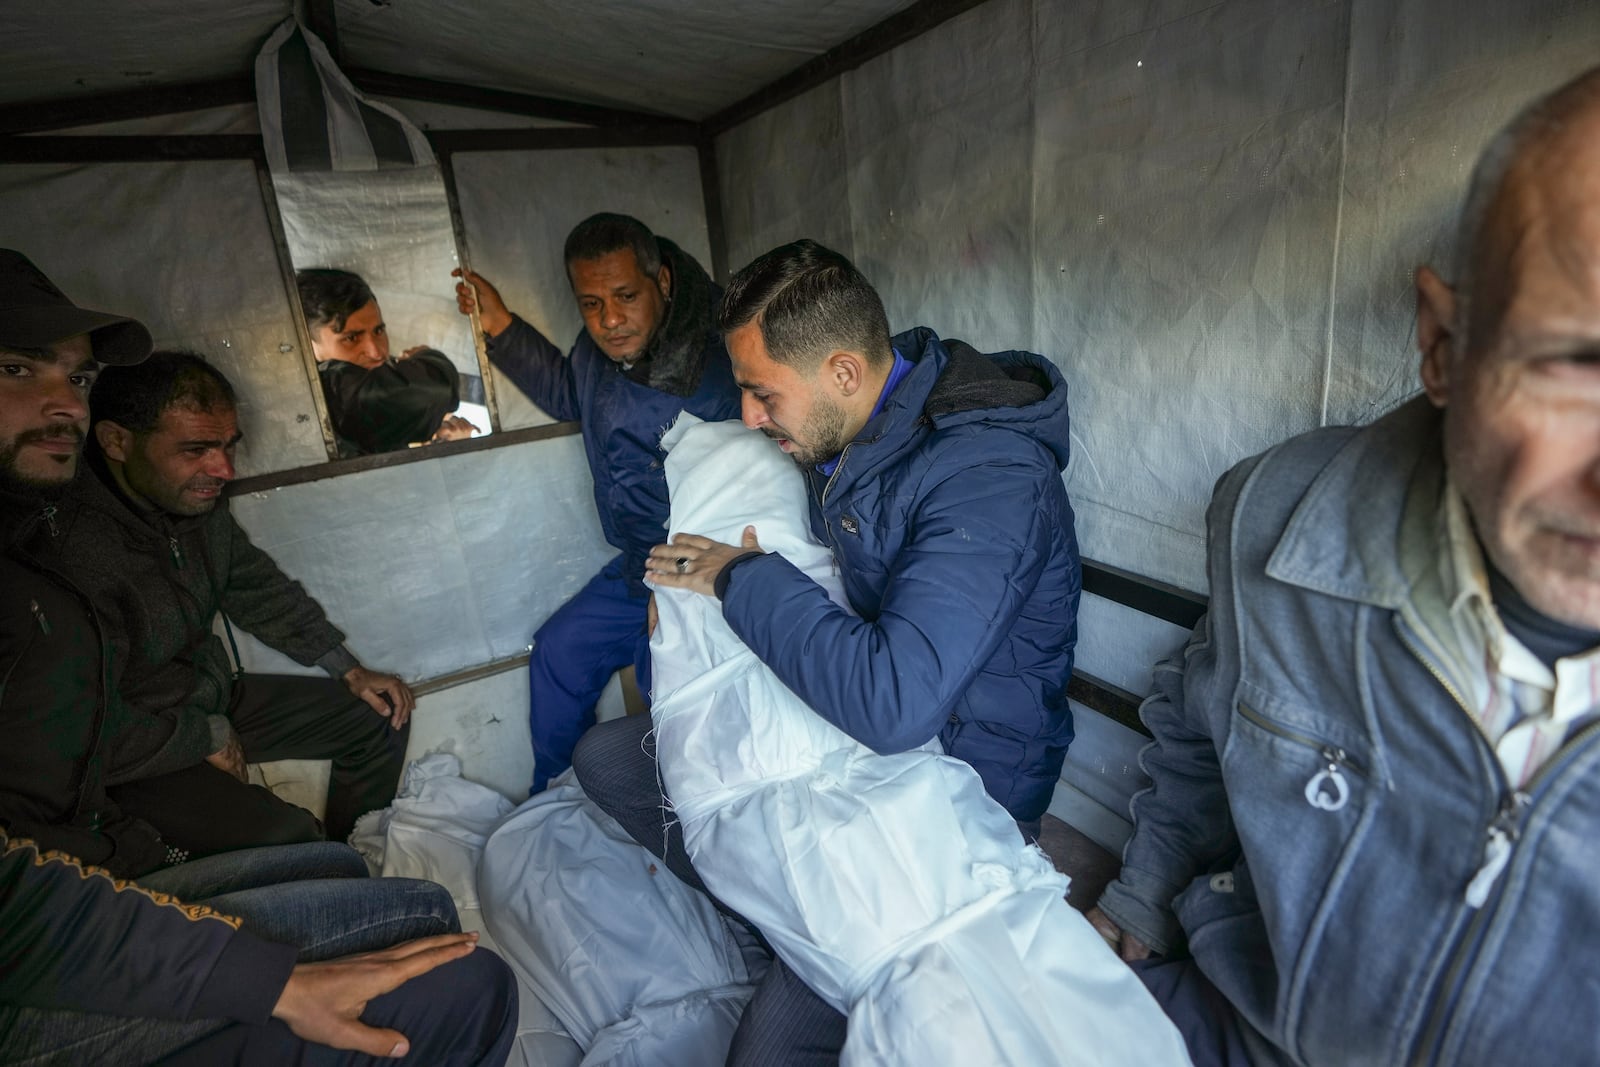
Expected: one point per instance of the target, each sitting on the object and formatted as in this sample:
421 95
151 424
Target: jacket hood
953 384
676 358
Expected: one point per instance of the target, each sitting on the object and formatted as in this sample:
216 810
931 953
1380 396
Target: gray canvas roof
685 59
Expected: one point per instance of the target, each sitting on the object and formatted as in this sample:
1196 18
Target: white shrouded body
894 885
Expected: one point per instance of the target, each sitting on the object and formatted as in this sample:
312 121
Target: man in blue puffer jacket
650 349
935 478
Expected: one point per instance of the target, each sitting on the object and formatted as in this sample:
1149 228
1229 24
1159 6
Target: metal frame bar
316 472
33 116
1181 607
62 113
711 192
480 346
149 148
546 138
406 87
291 291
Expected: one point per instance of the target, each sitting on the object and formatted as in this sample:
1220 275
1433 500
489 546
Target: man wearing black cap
58 709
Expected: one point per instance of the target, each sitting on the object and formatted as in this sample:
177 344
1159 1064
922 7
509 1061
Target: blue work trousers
575 653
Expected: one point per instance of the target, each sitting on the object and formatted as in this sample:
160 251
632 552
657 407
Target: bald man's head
1512 354
1540 174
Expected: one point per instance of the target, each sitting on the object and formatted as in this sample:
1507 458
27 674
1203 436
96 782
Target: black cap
35 314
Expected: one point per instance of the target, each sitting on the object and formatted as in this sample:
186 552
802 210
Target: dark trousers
315 896
577 650
1211 1028
463 1014
785 1023
203 810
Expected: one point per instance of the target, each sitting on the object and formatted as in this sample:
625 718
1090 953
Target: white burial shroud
893 885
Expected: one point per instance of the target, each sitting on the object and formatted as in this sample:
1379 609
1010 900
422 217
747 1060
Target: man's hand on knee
230 757
384 693
323 1002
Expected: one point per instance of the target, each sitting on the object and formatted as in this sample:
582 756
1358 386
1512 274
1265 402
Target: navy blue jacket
623 420
954 539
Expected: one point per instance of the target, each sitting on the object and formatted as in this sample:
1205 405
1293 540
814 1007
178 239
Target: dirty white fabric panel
329 125
639 968
185 248
894 886
784 175
1103 760
1184 215
1431 82
518 208
940 139
436 566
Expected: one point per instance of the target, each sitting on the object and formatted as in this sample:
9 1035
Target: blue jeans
315 896
575 653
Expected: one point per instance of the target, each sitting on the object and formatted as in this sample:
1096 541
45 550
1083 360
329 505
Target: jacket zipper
49 516
1328 789
1503 832
102 680
1508 821
822 497
22 654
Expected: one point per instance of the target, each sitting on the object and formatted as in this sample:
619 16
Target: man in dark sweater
151 541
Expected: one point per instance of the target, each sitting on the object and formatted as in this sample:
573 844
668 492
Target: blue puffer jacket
954 540
623 418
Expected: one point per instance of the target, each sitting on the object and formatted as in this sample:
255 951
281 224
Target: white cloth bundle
639 968
893 885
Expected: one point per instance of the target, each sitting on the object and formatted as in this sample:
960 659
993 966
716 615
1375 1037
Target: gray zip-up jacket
1326 823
